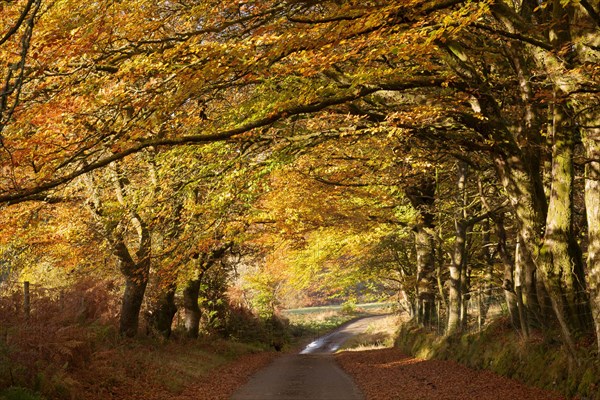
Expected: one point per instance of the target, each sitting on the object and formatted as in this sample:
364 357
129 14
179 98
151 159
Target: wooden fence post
480 306
439 313
26 299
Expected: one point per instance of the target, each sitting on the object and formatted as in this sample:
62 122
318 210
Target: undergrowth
59 335
537 361
69 348
18 393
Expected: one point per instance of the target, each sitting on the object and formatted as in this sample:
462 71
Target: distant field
371 307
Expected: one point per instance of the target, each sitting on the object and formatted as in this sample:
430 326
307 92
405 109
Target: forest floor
175 371
390 374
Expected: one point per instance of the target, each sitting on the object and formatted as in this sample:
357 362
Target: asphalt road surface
311 375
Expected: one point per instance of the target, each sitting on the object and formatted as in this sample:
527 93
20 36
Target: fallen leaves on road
221 384
390 374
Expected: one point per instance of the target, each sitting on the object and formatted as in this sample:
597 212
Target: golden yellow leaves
448 24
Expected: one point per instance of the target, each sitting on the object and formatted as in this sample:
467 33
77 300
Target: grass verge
379 335
537 362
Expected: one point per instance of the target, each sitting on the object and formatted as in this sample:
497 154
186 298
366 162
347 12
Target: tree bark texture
591 130
509 283
191 309
425 247
422 196
160 319
458 262
136 280
556 261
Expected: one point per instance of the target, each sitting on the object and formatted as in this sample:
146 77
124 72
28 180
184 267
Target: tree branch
591 11
515 36
228 134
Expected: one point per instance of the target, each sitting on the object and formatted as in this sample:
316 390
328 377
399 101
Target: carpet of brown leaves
389 374
219 384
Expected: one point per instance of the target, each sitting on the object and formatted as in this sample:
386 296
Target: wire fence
22 301
480 308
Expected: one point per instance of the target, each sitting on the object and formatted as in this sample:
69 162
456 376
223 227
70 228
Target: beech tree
128 234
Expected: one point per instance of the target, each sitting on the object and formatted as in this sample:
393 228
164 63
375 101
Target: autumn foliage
303 152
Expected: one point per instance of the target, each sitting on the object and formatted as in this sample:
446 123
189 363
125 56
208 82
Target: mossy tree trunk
459 254
425 247
136 279
160 318
421 196
191 309
191 292
556 258
591 129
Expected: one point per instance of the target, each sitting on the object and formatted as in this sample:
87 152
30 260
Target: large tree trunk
425 247
526 194
591 124
136 280
133 296
458 262
556 259
422 197
135 272
160 318
191 309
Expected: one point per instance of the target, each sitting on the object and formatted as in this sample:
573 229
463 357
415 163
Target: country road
312 374
317 374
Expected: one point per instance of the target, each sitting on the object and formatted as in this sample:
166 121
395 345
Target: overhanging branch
229 134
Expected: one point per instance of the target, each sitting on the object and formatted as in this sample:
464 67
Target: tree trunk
131 305
534 294
191 308
555 259
508 278
466 296
488 255
591 124
136 280
457 265
422 197
424 243
160 318
455 292
523 318
526 194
